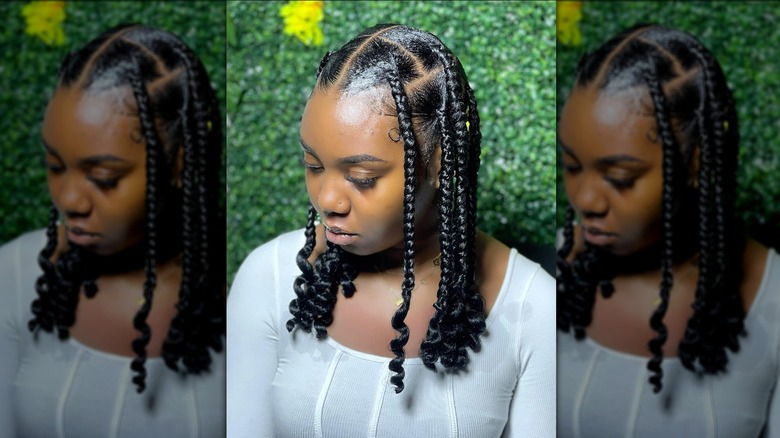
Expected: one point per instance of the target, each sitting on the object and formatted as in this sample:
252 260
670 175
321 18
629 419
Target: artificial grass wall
508 52
743 37
28 75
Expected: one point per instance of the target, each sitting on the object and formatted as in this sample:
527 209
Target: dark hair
694 109
177 108
435 106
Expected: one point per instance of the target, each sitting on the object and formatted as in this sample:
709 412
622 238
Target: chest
322 389
90 393
106 321
622 321
602 392
363 321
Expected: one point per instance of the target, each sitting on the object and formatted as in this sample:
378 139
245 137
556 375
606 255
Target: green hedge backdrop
28 75
508 52
743 37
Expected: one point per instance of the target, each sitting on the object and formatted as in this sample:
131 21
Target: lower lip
83 239
599 239
340 239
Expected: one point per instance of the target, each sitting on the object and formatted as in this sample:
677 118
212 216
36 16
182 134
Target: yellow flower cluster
302 20
569 14
44 20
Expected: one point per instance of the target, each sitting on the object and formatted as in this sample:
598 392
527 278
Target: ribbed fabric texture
62 389
605 393
293 385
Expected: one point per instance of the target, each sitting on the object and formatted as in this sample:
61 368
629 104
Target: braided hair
177 108
435 106
694 109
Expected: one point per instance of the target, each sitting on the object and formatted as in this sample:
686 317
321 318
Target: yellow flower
44 20
569 14
302 20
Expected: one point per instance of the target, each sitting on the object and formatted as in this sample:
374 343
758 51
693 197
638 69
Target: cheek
123 210
310 182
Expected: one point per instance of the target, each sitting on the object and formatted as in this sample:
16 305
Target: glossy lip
596 236
338 236
81 237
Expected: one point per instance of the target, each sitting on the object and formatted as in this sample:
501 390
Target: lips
81 237
339 236
598 237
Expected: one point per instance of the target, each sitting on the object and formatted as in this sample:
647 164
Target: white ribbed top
292 385
605 393
62 389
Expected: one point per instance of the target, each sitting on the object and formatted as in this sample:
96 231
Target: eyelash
361 183
103 184
621 184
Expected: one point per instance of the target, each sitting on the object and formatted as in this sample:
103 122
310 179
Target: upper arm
11 330
251 344
532 410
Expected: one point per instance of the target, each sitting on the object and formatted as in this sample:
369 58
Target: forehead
349 125
82 124
598 125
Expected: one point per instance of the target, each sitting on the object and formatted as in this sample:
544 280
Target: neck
425 251
132 259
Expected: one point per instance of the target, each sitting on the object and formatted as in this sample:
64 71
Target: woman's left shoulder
504 271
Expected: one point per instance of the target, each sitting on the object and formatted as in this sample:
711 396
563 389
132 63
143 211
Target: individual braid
705 341
46 285
410 186
150 266
301 315
465 316
669 150
431 348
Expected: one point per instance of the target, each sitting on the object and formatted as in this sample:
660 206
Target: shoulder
263 268
24 245
760 270
20 255
508 277
283 248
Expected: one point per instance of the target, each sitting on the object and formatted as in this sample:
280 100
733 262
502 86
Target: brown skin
366 199
97 180
614 178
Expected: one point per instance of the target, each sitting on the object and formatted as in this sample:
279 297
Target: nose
589 200
332 198
73 199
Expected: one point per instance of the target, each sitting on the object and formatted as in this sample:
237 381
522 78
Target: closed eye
621 184
361 183
310 166
104 184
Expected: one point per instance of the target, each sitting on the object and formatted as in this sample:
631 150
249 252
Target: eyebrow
352 159
94 160
611 160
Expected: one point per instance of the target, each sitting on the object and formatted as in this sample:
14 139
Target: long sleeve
532 411
10 331
251 344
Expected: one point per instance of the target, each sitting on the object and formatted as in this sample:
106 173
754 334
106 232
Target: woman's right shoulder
282 248
24 248
271 260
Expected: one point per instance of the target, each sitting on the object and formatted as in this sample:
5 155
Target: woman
395 278
649 138
125 293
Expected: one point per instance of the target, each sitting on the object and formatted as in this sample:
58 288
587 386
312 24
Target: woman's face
96 168
355 172
612 159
